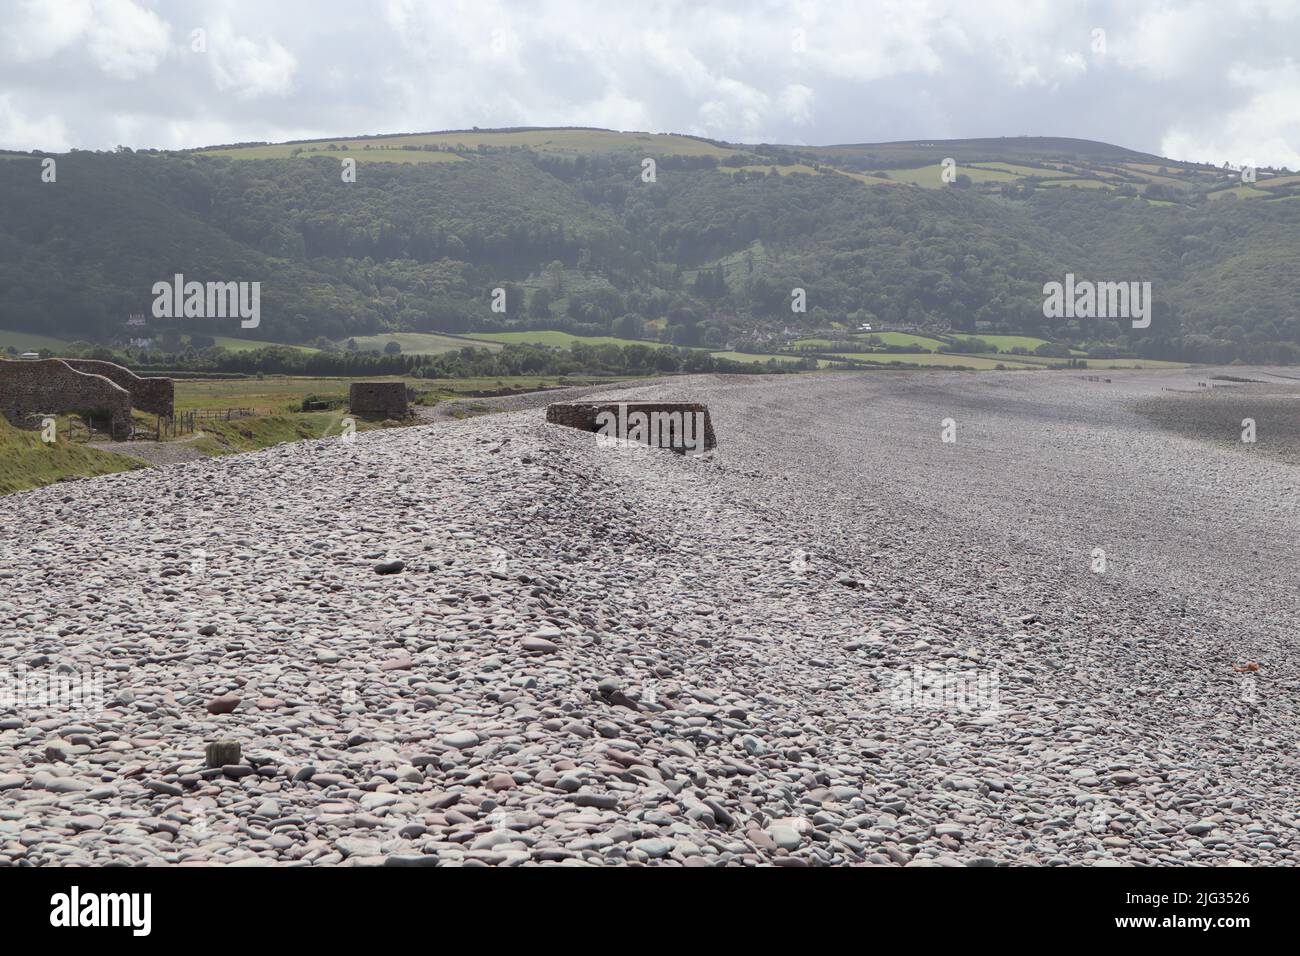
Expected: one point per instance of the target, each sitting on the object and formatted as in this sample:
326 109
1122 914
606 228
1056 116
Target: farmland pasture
232 344
30 342
419 343
754 359
779 170
905 339
926 358
1014 169
1003 343
931 177
407 147
553 339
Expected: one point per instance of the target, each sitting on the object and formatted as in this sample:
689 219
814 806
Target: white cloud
246 67
36 30
125 40
1264 131
19 131
120 37
1175 75
795 102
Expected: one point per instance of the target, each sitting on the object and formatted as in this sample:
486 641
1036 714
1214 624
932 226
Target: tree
539 304
555 273
629 326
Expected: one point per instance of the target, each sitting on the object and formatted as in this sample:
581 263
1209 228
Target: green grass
867 178
251 434
1073 184
419 343
1003 343
564 141
779 170
763 359
1133 363
1042 361
231 344
1242 191
924 358
280 395
1016 170
1278 182
931 177
553 339
30 342
1151 174
271 395
27 462
372 155
906 339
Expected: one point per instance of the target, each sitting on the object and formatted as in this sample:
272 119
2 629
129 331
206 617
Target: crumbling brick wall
52 387
668 425
378 399
157 396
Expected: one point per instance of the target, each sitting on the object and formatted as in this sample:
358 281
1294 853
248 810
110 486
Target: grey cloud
1214 81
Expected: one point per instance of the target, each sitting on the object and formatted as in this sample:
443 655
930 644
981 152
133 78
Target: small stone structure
378 399
52 386
680 426
157 396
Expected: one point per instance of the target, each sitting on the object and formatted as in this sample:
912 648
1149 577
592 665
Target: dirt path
154 453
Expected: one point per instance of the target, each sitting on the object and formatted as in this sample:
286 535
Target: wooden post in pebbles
222 753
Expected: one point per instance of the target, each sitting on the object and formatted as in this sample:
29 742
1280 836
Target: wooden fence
221 414
86 428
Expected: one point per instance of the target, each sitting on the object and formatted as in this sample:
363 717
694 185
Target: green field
1278 182
1003 343
753 359
231 344
906 339
30 342
931 177
1241 191
1043 361
779 170
375 154
28 462
270 395
925 358
1014 169
405 148
553 339
1133 363
281 394
1073 184
419 343
868 178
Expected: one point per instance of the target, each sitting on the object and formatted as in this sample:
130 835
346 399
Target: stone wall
378 399
157 396
53 387
671 425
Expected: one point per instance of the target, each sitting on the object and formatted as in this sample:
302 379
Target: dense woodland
582 244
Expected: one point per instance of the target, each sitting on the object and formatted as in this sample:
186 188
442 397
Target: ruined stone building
99 390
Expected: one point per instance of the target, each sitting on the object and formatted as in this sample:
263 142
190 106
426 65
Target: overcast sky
1213 81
